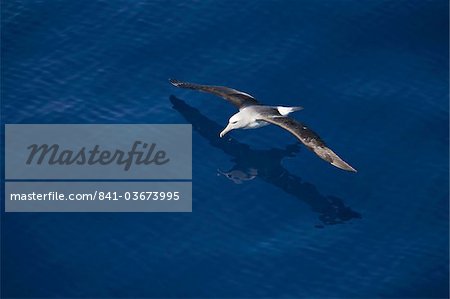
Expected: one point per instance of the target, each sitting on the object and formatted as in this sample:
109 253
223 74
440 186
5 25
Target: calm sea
269 218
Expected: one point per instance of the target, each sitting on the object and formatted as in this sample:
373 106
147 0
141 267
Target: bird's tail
286 110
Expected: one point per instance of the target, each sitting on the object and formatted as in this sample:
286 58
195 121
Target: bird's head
235 122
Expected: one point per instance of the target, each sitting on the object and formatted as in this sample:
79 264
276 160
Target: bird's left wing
237 98
308 138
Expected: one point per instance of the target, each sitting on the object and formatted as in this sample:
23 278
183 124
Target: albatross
253 114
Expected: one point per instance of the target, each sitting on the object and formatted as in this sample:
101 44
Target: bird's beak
226 130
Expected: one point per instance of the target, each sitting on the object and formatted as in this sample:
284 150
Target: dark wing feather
235 97
308 138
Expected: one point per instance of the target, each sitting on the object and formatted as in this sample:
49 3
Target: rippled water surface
269 218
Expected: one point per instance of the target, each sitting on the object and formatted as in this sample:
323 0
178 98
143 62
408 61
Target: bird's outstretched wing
308 138
237 98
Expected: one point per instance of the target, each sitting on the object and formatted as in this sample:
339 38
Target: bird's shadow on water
266 165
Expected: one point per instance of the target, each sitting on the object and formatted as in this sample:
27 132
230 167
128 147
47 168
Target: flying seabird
253 114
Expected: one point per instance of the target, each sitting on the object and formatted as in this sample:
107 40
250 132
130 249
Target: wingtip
175 82
331 157
351 169
343 165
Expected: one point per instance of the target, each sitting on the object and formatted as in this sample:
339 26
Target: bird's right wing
237 98
309 138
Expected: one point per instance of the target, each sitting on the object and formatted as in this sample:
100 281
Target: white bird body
249 117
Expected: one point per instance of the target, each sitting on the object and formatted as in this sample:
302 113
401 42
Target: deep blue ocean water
269 218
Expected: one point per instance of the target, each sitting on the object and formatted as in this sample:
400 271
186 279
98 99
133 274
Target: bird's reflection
238 176
266 165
